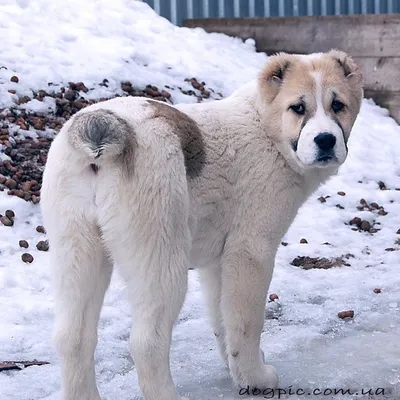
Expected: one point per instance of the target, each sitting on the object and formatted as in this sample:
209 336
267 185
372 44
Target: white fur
309 58
156 222
307 150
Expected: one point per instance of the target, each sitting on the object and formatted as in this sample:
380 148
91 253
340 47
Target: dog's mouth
326 159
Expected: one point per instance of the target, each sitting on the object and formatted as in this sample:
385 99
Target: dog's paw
261 378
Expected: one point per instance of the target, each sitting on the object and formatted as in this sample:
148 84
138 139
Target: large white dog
155 189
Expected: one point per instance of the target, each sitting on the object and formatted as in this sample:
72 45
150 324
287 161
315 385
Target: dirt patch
306 262
22 168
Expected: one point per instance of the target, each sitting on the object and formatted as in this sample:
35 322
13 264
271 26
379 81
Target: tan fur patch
188 132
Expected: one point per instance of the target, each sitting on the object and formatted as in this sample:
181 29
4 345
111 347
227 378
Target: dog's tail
101 134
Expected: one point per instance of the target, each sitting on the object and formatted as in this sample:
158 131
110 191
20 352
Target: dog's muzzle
325 142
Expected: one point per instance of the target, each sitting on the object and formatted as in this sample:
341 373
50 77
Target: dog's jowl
154 189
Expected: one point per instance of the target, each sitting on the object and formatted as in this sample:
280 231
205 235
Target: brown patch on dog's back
188 132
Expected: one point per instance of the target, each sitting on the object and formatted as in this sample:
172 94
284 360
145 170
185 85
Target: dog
154 189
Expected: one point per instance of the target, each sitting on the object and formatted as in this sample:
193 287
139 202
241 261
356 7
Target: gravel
25 136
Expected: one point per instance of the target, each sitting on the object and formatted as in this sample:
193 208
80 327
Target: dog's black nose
325 141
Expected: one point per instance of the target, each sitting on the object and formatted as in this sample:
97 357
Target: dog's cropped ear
351 70
273 75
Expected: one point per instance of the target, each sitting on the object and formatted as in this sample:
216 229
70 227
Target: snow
310 346
47 105
121 40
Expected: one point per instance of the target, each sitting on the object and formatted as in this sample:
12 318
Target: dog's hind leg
82 277
82 274
156 305
156 278
145 225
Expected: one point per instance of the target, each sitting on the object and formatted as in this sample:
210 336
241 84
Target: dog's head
310 103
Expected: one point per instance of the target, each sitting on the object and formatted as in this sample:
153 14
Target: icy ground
310 346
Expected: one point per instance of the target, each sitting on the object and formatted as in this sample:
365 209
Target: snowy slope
52 41
307 342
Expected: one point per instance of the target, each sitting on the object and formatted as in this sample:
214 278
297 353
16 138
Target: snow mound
121 40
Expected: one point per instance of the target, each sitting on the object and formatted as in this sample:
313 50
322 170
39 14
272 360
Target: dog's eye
337 106
298 108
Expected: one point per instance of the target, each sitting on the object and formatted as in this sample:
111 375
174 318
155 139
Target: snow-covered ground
57 42
311 347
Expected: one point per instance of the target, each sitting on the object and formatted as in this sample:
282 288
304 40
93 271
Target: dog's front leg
245 281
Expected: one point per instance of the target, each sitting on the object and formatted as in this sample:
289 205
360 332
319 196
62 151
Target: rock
322 199
11 183
41 94
10 214
70 95
273 297
78 104
43 245
382 185
80 86
40 229
61 102
19 193
306 262
6 221
127 87
24 99
303 241
35 199
39 124
152 91
197 85
27 258
24 244
355 221
14 79
365 226
165 94
341 193
346 314
377 290
27 186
